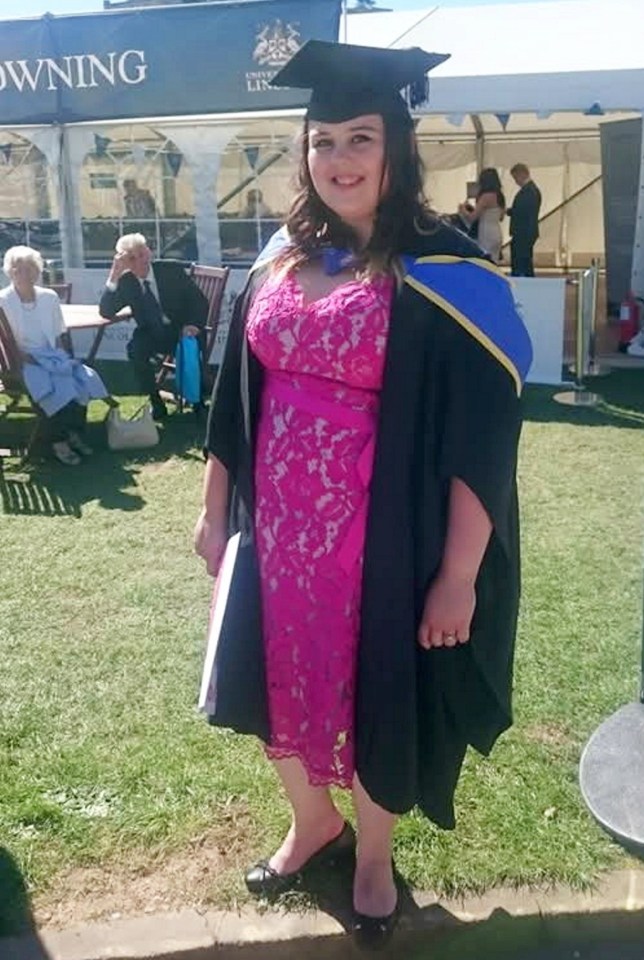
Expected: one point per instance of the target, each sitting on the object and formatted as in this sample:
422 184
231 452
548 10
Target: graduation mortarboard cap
347 80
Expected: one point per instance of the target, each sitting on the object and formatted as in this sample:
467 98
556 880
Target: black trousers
521 257
146 342
71 419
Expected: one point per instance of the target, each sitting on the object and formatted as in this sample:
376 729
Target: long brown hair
490 182
402 212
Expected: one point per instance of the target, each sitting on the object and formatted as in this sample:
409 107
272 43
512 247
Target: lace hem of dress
315 779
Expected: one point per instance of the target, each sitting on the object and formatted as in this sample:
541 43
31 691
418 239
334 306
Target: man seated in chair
165 305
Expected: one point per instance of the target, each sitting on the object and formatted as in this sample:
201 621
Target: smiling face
346 163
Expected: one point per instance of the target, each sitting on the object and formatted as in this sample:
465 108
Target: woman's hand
451 599
210 541
449 608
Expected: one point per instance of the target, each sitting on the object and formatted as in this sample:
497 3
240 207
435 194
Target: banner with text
156 61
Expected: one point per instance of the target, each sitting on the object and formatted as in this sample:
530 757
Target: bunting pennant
5 150
503 118
101 144
252 155
175 159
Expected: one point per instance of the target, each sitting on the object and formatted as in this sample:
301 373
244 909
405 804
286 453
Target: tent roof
541 57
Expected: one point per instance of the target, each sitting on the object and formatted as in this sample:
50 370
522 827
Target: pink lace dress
324 363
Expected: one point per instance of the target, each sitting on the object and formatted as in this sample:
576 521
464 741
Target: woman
37 324
489 210
374 485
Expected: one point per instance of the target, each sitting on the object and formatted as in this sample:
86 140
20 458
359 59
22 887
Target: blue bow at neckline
334 261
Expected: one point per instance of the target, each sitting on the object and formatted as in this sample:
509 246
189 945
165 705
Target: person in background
139 202
364 432
484 219
165 305
59 385
524 221
255 207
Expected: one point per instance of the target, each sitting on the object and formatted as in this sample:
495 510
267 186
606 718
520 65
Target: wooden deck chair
64 291
212 283
12 387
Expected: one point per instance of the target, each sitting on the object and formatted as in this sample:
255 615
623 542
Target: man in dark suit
165 305
524 221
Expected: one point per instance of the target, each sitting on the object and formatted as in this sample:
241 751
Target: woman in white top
36 321
485 219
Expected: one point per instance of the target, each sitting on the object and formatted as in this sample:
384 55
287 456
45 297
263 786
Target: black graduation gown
448 409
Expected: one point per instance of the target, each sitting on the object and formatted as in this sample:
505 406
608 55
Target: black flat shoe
374 933
263 880
159 410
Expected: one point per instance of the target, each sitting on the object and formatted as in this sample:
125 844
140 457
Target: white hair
129 242
21 254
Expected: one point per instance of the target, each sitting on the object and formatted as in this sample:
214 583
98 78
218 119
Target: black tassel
418 93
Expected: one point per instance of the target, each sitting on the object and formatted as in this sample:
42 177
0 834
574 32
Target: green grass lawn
109 777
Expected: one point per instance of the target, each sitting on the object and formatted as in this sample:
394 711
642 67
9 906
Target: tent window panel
146 188
99 240
255 188
585 226
238 183
178 240
28 205
448 168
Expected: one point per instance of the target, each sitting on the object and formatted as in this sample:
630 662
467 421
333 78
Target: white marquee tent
537 57
529 82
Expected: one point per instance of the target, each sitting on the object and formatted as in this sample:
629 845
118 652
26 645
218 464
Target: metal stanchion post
593 368
579 396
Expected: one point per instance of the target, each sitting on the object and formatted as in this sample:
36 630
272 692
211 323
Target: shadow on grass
43 487
46 488
16 919
621 403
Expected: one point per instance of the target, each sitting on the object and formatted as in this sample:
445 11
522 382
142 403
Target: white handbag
134 434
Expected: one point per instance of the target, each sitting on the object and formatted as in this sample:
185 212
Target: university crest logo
276 43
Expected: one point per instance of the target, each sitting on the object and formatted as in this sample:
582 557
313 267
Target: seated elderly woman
59 385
